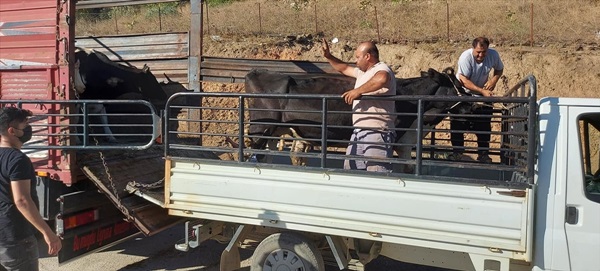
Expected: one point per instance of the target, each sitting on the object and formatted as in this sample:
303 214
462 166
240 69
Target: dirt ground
564 71
561 70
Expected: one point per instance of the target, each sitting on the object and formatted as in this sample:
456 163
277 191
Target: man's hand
486 93
351 95
325 48
489 85
53 242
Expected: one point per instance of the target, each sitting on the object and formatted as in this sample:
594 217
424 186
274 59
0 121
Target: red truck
37 45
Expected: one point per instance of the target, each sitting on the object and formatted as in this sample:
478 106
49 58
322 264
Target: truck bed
365 206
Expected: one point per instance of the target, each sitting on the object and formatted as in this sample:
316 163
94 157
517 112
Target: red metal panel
25 84
36 41
28 30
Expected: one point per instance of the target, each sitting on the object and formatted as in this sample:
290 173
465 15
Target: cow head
431 83
96 77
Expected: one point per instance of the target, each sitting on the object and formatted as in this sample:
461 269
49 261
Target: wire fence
396 21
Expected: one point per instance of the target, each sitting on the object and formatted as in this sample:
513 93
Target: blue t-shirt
478 73
14 166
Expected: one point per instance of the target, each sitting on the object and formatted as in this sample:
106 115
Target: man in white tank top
474 66
372 120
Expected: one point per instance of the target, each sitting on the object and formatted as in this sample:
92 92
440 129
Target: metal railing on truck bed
222 120
73 125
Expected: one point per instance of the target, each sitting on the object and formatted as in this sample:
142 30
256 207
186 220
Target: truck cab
567 205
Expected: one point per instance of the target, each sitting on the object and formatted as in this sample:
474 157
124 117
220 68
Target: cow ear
145 69
431 72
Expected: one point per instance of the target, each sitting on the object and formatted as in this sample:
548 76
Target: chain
111 182
134 184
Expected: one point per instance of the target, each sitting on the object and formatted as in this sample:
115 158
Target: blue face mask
27 134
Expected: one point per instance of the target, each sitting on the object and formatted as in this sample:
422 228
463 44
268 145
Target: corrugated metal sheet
28 31
25 84
163 53
233 70
35 37
82 4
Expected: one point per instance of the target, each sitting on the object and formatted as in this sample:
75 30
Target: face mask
27 133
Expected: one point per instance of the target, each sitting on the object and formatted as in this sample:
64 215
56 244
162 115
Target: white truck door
582 210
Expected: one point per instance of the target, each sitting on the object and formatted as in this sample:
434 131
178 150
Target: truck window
589 127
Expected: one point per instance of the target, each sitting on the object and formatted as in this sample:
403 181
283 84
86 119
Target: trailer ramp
113 170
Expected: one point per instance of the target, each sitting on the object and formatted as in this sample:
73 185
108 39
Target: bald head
368 47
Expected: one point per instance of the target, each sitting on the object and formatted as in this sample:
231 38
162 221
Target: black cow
98 78
263 81
281 112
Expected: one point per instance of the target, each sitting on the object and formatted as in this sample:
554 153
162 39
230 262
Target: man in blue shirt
474 67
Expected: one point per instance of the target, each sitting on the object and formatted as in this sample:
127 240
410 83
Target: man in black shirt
19 213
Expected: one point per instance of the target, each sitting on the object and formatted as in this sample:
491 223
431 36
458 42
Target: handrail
424 150
53 127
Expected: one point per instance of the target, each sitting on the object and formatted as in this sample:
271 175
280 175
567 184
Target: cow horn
449 70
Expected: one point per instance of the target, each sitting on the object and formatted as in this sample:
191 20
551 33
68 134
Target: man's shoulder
491 52
11 151
12 154
382 66
466 56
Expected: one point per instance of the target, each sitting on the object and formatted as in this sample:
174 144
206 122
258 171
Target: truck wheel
287 252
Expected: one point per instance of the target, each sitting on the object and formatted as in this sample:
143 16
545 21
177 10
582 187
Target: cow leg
100 109
406 142
299 145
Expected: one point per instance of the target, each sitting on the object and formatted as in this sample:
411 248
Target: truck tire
287 251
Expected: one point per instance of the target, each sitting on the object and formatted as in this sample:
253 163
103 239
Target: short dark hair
481 41
10 115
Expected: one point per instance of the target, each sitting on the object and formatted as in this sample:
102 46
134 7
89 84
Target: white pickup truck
536 207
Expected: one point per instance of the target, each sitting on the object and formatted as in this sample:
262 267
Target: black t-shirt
14 165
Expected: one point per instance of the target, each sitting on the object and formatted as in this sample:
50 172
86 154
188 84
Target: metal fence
226 129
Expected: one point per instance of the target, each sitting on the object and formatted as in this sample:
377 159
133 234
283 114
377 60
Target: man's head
480 47
366 55
13 125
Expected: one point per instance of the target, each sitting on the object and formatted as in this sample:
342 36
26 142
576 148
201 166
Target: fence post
207 22
377 23
448 20
259 20
116 23
316 19
159 18
531 26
